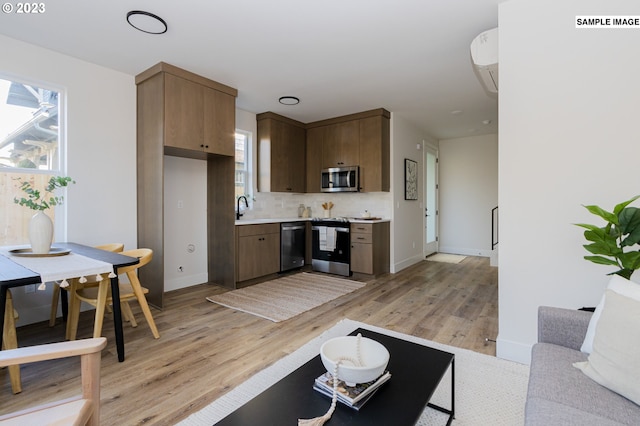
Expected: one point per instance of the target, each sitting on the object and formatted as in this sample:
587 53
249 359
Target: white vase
40 233
327 213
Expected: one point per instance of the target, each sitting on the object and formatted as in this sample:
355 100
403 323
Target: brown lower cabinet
370 248
258 250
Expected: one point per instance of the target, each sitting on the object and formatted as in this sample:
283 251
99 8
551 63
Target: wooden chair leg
127 313
54 305
73 316
142 300
101 303
10 341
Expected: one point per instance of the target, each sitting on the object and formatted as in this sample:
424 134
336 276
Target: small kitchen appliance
340 179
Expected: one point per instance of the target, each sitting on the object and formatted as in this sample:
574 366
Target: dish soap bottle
301 210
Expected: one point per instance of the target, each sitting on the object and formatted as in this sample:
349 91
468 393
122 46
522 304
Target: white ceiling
338 56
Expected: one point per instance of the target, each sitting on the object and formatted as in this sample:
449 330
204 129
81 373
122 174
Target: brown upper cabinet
315 140
341 145
199 114
361 139
281 154
375 174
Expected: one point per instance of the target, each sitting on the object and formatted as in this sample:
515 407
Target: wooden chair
83 409
10 341
100 297
75 284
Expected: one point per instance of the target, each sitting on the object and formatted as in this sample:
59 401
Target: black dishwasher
292 245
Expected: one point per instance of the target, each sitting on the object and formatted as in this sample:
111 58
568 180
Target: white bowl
374 357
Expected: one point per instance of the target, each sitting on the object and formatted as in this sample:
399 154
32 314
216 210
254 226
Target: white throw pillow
614 360
621 286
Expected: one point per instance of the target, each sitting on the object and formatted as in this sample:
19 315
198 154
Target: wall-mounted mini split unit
484 56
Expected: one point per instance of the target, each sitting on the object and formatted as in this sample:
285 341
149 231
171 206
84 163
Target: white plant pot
40 233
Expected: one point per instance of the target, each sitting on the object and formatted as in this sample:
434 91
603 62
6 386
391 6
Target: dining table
14 274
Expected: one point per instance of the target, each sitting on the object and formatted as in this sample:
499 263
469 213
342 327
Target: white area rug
489 391
446 258
283 298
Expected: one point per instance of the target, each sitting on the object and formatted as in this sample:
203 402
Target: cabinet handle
360 238
201 145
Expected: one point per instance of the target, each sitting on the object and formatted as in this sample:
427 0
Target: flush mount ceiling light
146 22
289 100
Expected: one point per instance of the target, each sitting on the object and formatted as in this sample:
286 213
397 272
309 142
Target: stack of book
351 396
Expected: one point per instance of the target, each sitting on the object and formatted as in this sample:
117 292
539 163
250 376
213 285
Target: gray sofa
560 394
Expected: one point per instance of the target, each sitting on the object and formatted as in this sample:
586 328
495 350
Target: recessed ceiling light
146 22
456 112
289 100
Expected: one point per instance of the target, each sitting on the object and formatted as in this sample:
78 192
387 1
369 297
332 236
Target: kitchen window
30 149
243 157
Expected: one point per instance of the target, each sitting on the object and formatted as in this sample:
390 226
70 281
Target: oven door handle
316 228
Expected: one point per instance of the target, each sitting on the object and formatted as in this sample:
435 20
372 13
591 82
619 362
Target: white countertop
300 219
271 220
357 220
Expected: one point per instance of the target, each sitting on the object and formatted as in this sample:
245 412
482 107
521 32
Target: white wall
185 222
101 150
468 176
407 227
568 136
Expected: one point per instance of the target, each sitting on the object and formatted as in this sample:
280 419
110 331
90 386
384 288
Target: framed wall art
410 179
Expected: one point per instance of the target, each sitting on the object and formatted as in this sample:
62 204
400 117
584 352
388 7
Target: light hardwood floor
206 349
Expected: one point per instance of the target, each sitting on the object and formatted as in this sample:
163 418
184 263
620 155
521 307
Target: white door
431 201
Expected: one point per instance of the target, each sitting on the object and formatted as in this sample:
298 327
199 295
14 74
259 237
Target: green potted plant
613 244
41 226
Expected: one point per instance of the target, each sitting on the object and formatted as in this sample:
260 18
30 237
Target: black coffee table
416 372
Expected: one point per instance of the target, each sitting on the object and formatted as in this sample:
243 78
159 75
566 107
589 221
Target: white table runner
62 268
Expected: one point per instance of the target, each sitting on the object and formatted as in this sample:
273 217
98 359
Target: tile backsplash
276 205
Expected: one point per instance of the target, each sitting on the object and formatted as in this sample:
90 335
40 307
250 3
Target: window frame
60 166
246 172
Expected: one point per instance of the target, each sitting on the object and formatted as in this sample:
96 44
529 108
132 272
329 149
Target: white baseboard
186 281
494 257
513 351
405 263
464 251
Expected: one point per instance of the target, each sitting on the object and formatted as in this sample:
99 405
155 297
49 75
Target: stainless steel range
331 246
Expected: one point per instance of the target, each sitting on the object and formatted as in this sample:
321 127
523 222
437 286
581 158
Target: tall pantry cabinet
186 115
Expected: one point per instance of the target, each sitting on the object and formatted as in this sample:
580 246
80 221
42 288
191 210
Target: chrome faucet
246 203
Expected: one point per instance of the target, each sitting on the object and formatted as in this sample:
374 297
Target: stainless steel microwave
340 179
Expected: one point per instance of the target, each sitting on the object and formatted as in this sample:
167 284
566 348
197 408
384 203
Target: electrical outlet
180 204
